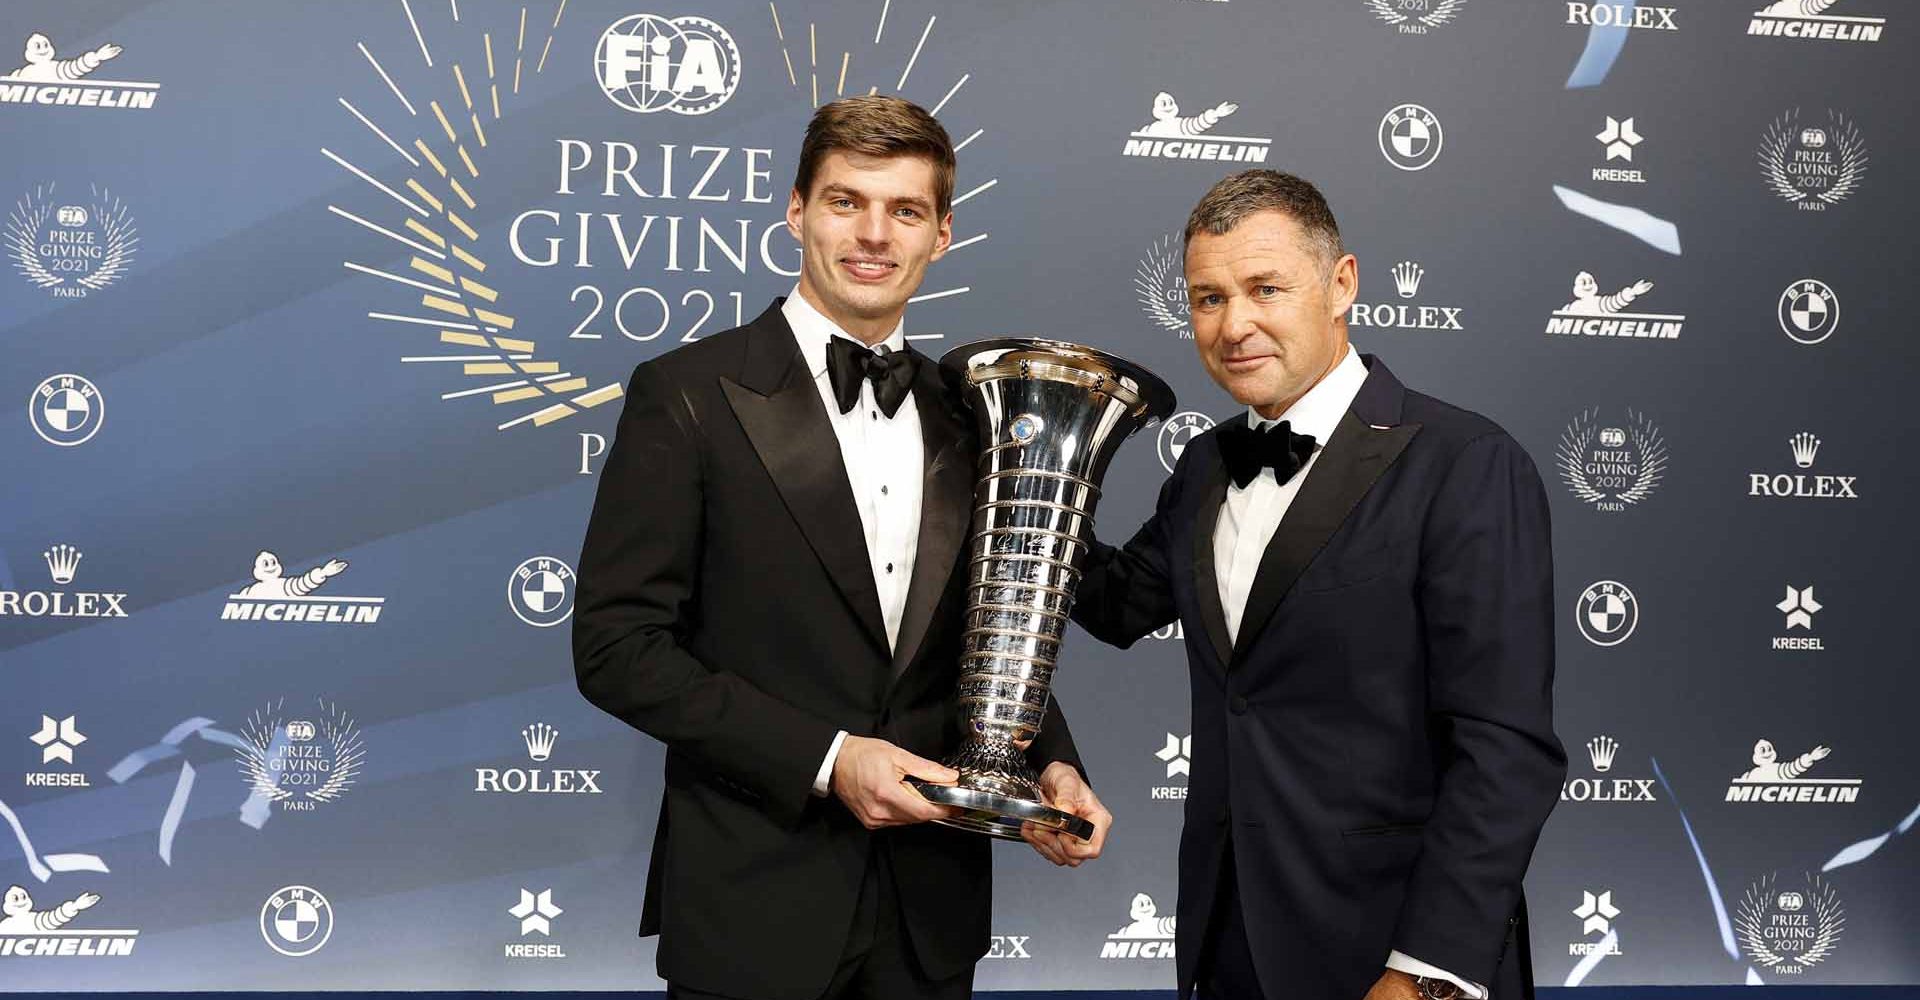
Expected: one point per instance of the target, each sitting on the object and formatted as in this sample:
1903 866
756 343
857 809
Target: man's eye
909 213
843 203
1267 291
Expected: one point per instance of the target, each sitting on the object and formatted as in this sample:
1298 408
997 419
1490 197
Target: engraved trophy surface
1051 415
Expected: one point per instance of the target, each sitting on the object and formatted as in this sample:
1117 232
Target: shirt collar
812 330
1319 411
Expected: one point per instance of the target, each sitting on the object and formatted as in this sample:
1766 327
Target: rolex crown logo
1406 278
1600 750
1805 446
61 561
539 737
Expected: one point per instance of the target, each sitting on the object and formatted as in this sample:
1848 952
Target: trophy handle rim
1156 396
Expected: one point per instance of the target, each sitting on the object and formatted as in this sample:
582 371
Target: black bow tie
1275 446
891 372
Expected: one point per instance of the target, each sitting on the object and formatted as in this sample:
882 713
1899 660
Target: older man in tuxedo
1365 580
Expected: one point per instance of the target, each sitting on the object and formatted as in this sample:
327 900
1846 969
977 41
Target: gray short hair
1237 196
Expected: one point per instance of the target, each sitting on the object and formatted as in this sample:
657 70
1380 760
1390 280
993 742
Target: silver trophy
1051 415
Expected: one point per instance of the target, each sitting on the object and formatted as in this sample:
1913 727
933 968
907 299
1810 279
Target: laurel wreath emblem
1751 920
1442 12
1849 148
339 731
29 219
1152 282
1576 443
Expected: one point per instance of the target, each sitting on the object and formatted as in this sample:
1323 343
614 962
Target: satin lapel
946 506
1206 580
790 432
1354 459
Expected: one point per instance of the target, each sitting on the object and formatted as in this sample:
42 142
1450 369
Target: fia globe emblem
647 63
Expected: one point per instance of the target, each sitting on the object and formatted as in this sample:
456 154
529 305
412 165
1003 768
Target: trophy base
1000 815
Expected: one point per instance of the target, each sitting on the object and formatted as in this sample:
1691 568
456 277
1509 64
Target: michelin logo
273 597
1776 780
1809 19
48 79
1148 936
1173 137
1591 314
29 933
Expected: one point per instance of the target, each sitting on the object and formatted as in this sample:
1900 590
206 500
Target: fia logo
1162 289
687 65
1611 466
71 249
1788 930
298 762
1811 167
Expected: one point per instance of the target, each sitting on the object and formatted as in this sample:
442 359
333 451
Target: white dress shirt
1249 516
885 460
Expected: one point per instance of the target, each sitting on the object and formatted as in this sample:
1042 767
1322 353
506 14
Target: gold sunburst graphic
427 214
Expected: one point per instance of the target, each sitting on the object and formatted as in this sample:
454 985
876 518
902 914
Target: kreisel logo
1809 166
296 921
1596 913
1162 288
1173 136
297 761
66 410
1799 485
1788 929
1609 465
1416 17
1410 137
1148 935
29 933
687 65
1177 755
70 249
1407 276
1799 607
1606 613
536 912
1592 314
273 597
1808 19
1601 753
1621 15
1809 311
1619 137
1176 431
57 739
63 563
1774 780
540 591
47 79
539 739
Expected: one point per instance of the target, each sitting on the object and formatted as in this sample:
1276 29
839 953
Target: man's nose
873 228
1236 321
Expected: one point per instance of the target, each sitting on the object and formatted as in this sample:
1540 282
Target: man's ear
796 211
943 239
1343 285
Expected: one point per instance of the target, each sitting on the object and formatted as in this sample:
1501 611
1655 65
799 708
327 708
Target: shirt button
875 414
889 567
1237 705
883 491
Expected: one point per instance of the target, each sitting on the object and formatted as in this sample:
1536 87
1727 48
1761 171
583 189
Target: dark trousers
878 962
1225 970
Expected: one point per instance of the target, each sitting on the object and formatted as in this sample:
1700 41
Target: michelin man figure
1767 766
268 581
42 67
1587 300
1146 924
17 915
1168 123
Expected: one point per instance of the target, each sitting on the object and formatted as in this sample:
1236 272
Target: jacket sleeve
1127 592
1485 590
637 602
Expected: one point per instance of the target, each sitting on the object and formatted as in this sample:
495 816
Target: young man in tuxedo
1365 579
772 585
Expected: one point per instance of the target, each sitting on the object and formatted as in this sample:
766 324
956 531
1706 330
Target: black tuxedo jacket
726 607
1377 750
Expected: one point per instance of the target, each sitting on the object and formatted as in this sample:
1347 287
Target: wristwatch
1435 988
